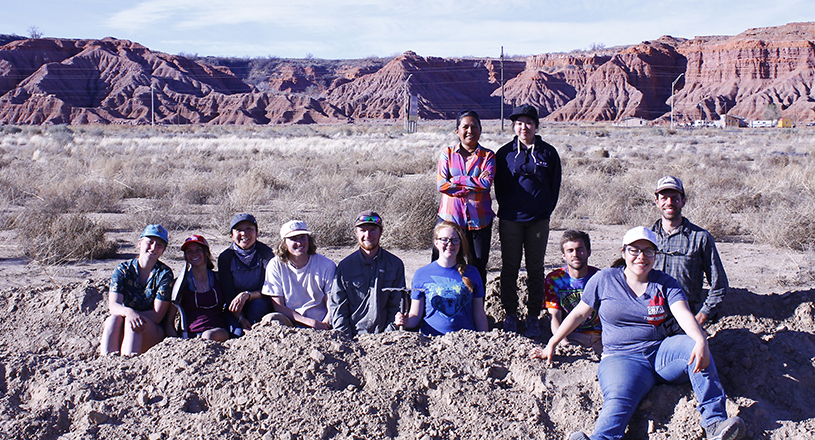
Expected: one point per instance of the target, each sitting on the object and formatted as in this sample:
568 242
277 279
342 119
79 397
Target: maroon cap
195 239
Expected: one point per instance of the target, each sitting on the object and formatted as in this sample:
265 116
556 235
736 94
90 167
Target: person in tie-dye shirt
564 287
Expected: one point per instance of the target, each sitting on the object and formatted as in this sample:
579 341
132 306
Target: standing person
464 176
202 298
564 287
631 300
140 294
527 185
298 278
241 269
357 303
447 294
688 252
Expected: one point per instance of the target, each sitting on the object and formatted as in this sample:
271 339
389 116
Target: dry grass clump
741 184
52 238
745 184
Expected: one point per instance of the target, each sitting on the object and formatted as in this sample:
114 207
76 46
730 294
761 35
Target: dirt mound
303 384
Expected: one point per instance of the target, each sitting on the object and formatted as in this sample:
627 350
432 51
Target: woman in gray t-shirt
633 301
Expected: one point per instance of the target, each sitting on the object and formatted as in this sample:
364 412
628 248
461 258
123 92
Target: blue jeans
626 378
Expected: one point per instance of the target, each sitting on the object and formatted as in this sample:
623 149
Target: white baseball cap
294 227
640 233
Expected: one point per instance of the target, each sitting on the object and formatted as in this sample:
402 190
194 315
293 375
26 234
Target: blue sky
336 29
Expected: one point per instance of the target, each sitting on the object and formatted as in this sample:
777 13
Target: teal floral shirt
125 280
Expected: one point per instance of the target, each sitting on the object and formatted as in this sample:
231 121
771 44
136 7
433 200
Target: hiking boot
579 435
730 429
511 323
533 327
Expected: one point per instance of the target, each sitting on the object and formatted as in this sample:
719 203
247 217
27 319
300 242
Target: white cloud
358 28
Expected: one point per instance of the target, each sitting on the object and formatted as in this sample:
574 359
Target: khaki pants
588 340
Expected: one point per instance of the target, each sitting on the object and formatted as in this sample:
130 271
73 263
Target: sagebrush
741 184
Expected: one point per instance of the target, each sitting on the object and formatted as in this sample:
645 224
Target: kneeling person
298 278
357 303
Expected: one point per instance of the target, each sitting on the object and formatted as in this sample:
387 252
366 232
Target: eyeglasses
446 240
635 251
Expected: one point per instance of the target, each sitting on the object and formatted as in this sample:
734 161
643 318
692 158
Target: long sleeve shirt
356 302
690 256
527 180
465 188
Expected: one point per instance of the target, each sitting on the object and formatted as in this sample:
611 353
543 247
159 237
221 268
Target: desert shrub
173 216
60 135
98 196
189 177
410 213
330 227
58 238
788 227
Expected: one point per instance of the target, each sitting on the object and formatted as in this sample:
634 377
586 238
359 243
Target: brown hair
463 250
575 235
282 251
207 256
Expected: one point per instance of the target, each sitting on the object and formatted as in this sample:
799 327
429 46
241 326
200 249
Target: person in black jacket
242 270
527 185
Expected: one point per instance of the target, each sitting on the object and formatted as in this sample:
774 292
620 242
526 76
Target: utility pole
673 85
152 106
410 125
502 88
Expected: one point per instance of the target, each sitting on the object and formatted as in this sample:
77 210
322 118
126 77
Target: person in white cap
298 278
633 301
688 252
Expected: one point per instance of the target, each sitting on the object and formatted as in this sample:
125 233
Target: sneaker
511 324
533 327
730 429
579 435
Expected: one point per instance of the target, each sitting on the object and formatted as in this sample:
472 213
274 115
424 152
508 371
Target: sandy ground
303 384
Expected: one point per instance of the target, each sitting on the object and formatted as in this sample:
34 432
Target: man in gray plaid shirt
687 252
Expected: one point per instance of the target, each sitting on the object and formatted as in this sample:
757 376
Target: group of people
644 314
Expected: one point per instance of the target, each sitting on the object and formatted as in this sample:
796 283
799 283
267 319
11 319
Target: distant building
726 121
785 122
762 123
633 122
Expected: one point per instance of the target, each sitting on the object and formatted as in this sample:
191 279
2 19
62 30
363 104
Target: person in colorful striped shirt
563 289
464 178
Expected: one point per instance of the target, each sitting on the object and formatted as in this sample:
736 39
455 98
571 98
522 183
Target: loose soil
281 383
